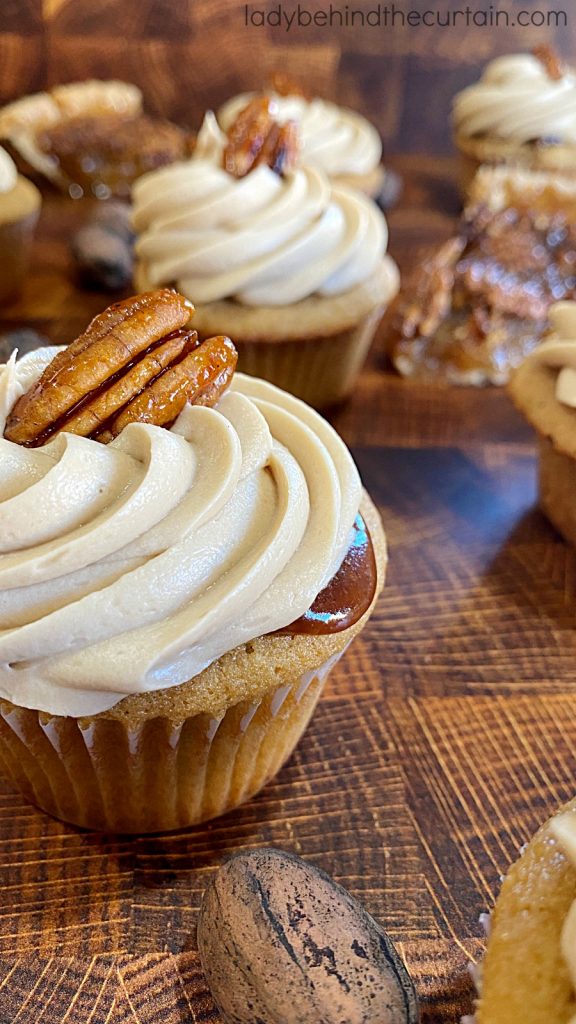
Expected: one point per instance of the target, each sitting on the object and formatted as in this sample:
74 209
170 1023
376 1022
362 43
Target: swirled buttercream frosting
517 99
132 566
337 140
558 351
264 239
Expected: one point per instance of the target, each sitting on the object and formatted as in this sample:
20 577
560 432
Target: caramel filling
349 593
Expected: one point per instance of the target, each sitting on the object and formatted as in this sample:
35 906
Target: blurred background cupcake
291 266
522 111
20 203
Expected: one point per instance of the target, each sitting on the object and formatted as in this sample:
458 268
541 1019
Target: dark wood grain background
188 55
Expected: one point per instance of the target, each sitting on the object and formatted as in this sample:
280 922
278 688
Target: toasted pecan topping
200 378
137 361
255 138
283 85
553 64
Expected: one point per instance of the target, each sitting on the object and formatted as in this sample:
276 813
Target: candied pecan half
255 138
200 378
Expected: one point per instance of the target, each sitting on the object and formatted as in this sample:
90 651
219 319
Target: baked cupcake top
130 566
335 139
563 828
521 98
264 239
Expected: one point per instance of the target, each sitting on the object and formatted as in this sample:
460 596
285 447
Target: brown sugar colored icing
348 595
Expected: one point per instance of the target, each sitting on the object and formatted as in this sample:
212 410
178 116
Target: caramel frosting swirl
558 351
337 140
264 240
132 566
516 99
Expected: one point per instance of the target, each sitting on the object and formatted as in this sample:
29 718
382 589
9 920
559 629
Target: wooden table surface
444 737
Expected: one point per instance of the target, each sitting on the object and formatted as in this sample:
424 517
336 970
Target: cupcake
475 307
292 267
529 972
90 138
521 112
186 553
338 141
19 210
544 390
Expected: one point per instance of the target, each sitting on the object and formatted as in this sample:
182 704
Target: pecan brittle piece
256 138
137 362
112 341
200 378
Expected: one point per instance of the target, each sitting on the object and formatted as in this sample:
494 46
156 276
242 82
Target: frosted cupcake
186 553
529 972
544 389
292 267
19 210
339 141
522 112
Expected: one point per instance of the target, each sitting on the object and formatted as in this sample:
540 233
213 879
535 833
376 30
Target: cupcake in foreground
521 112
473 310
544 390
529 972
90 138
338 141
171 600
294 269
20 203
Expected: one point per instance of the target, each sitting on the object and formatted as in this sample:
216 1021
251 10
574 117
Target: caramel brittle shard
137 361
479 304
256 138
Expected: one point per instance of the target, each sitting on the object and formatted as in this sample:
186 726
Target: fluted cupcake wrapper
102 774
321 370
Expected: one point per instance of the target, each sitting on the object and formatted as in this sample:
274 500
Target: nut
200 378
137 361
256 138
281 942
